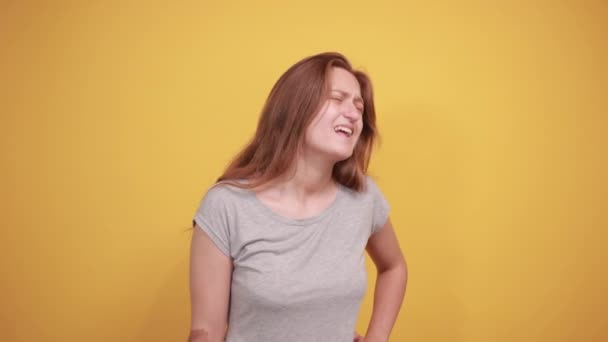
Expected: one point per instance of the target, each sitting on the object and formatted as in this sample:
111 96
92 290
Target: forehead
340 79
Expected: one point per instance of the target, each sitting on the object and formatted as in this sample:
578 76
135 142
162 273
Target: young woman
278 246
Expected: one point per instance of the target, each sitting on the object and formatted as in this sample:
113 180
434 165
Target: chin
336 154
342 156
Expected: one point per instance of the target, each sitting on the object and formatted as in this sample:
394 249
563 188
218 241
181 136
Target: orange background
117 116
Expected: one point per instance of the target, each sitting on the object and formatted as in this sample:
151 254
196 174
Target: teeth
346 130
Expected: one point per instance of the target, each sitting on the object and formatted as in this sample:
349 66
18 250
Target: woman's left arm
383 248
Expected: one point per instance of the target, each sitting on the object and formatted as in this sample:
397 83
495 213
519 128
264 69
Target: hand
358 338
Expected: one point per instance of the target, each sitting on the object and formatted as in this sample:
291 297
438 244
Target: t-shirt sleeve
381 206
214 218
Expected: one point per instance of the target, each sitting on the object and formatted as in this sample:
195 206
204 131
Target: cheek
360 130
313 133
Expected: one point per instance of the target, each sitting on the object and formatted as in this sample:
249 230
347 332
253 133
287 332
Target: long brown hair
291 106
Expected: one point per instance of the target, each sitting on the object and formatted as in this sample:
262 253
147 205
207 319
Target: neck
310 177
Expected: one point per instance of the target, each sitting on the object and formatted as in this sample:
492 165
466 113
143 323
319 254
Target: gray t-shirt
293 279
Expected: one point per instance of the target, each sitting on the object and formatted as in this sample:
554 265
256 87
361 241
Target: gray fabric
293 280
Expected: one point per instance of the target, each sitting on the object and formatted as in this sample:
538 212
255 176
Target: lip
344 136
349 126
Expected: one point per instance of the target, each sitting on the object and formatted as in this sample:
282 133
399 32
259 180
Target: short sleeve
381 206
213 217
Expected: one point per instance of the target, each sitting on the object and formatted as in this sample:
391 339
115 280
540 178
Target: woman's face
336 128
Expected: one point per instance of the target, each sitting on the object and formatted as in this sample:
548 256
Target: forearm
388 296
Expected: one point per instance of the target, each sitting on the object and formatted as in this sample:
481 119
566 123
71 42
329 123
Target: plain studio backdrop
116 116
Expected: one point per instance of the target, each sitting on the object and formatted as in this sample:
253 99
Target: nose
351 112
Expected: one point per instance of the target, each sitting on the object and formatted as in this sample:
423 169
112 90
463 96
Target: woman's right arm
210 276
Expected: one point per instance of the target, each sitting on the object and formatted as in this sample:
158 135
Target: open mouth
343 131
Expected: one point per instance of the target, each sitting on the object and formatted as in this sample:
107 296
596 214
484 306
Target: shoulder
369 191
374 191
371 187
224 193
222 189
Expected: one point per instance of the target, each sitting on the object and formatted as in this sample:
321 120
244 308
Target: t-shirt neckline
293 221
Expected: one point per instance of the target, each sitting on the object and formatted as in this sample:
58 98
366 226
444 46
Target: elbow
398 270
401 269
397 265
404 270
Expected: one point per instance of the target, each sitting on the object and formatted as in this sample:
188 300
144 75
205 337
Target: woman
278 247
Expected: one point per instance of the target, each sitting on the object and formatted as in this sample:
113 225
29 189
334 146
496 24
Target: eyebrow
342 92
